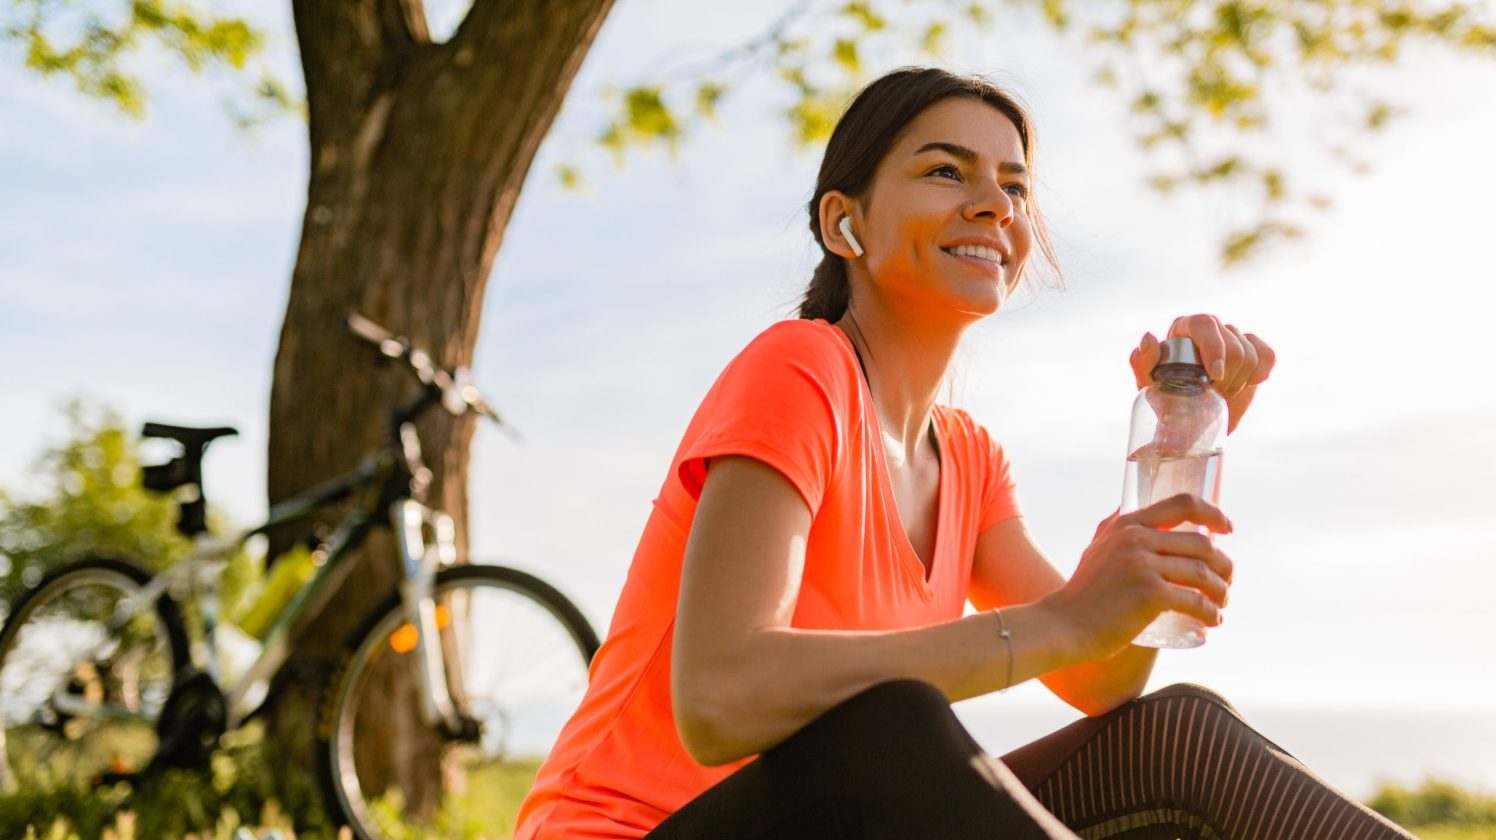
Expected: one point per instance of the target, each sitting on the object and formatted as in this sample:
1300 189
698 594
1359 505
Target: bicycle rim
81 690
517 658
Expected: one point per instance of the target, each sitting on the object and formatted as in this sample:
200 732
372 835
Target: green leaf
569 176
933 39
845 53
1148 100
1241 245
95 50
1221 170
864 14
707 95
647 115
1212 86
1054 12
1272 183
1164 184
1378 115
813 117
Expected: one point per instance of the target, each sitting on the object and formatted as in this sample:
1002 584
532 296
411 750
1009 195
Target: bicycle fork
422 560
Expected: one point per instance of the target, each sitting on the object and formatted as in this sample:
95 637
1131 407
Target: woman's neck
905 366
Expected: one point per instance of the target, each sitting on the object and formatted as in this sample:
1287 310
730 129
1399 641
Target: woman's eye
945 167
1019 190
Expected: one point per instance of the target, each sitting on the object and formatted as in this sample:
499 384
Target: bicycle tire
366 659
20 725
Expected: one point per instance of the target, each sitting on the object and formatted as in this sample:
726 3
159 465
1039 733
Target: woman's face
955 179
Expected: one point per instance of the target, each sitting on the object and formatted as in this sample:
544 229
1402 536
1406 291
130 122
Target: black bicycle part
182 470
194 716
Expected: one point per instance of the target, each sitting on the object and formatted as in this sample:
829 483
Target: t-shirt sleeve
783 401
999 488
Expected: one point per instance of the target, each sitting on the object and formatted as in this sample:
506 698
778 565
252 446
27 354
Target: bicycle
100 681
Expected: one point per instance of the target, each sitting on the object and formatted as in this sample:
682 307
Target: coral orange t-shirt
794 398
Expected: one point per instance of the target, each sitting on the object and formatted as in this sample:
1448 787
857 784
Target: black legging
894 762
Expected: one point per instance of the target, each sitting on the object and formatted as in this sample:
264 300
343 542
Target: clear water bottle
1178 429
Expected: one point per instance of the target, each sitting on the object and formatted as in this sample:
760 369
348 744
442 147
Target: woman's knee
1205 704
895 717
906 697
1194 690
903 700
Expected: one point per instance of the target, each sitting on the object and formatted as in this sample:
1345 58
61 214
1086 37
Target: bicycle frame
420 559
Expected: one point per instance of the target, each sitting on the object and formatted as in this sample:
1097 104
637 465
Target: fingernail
1218 369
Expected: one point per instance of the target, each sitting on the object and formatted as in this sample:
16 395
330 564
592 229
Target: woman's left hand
1237 362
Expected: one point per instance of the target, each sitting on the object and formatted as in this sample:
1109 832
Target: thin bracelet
1008 637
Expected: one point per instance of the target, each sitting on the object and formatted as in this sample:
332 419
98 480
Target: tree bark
418 154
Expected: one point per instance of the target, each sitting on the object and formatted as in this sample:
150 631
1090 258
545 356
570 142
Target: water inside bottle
1150 478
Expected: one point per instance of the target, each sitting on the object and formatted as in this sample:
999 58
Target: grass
1454 832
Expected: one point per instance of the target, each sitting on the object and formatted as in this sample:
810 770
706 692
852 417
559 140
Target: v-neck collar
924 578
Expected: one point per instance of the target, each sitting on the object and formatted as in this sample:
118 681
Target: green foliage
93 44
1436 803
1203 98
1456 832
489 808
91 504
1209 63
1195 71
238 790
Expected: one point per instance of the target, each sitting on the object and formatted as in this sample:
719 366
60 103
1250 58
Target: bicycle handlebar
456 395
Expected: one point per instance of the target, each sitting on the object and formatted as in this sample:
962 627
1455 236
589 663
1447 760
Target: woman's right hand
1136 568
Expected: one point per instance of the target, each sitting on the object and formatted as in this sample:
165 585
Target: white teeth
980 251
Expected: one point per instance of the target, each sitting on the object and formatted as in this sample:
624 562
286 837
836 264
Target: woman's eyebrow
958 151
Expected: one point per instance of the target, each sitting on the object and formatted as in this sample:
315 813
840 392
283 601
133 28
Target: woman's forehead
966 122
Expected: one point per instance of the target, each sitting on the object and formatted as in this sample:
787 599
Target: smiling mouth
982 258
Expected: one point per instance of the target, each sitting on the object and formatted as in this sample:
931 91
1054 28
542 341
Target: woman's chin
987 301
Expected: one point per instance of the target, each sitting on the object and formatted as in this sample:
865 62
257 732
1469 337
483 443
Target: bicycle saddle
188 437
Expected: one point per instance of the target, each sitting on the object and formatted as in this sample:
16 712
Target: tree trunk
418 154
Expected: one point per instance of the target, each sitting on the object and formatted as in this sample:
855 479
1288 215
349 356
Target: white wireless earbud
846 229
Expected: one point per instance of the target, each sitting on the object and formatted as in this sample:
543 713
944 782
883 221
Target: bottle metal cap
1179 351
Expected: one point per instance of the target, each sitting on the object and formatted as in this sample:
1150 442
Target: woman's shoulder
810 334
812 345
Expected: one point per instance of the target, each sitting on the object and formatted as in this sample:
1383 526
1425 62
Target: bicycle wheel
517 654
82 687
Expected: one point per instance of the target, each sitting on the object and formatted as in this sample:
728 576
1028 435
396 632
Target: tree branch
404 23
516 60
342 45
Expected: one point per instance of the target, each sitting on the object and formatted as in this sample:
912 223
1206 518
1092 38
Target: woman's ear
838 227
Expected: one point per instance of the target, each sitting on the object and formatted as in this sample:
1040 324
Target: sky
145 265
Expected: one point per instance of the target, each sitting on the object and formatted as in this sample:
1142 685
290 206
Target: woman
783 656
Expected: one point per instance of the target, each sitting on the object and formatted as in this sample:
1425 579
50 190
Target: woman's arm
742 680
1008 568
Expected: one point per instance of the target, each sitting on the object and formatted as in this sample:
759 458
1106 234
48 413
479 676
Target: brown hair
868 129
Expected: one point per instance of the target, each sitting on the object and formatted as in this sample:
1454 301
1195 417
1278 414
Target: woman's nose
993 202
